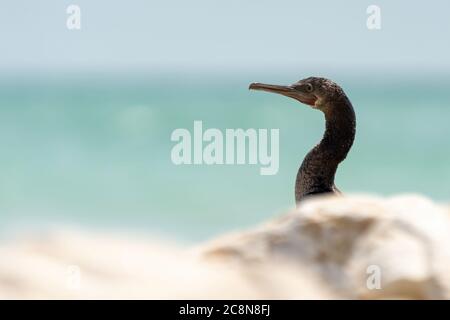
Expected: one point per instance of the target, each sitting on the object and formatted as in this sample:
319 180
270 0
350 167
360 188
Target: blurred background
86 115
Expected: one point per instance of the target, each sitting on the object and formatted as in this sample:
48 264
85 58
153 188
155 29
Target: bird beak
284 90
288 91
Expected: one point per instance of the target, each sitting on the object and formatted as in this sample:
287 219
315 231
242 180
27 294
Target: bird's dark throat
317 172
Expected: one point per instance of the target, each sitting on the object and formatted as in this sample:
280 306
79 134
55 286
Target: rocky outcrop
361 247
350 247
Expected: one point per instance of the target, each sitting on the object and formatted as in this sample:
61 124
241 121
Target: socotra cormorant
317 171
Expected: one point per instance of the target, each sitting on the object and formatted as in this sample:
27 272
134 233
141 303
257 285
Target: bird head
314 92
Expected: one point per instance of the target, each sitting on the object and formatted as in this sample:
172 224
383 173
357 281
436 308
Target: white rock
346 240
357 247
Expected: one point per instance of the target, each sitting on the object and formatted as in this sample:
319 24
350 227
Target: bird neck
340 126
317 172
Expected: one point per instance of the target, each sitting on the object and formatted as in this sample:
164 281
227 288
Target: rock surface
362 247
355 247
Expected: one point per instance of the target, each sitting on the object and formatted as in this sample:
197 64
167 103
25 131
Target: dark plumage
317 171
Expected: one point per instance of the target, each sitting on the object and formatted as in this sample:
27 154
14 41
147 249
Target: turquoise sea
94 150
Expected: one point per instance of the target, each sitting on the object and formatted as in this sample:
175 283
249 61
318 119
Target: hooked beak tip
252 86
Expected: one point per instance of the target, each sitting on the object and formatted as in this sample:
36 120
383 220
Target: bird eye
309 87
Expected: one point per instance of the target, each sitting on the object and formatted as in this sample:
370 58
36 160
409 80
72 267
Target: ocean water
94 150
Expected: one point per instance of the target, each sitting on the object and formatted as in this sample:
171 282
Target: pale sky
227 34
